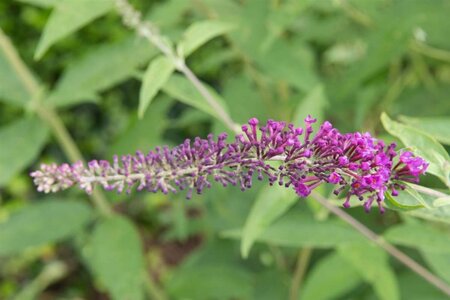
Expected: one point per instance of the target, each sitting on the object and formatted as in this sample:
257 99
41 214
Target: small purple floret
356 163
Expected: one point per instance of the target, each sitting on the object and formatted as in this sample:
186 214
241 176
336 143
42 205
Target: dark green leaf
100 69
115 257
301 230
325 274
67 17
21 143
373 265
41 223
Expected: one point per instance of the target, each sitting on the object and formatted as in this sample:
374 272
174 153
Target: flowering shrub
355 162
108 77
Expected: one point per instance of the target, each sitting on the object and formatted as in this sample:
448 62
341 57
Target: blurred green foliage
347 61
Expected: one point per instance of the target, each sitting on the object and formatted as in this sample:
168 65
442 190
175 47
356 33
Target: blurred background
345 61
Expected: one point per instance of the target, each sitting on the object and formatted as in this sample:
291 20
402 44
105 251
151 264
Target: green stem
304 256
378 240
152 289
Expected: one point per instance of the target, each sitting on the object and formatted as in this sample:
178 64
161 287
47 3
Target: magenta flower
356 163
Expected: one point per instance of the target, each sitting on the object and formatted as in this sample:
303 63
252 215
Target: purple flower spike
355 162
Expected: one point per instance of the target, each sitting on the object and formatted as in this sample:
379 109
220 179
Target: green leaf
424 146
100 69
439 262
313 104
291 62
437 127
21 143
443 201
41 223
210 281
406 200
181 89
373 265
67 17
200 33
420 236
334 273
138 136
12 88
41 3
156 75
413 287
115 256
302 230
271 203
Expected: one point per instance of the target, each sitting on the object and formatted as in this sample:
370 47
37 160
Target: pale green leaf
437 127
21 143
372 264
99 69
182 90
67 17
271 203
443 201
439 262
41 223
420 236
334 273
302 230
41 3
200 33
406 200
115 256
156 75
423 145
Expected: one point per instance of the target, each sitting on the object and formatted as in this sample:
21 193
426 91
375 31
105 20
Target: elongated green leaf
372 264
21 143
437 127
301 230
115 257
200 33
271 203
423 144
157 74
41 223
67 17
211 281
439 262
12 89
406 200
413 287
99 69
313 104
325 274
420 236
181 89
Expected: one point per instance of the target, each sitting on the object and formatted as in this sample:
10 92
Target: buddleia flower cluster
357 164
